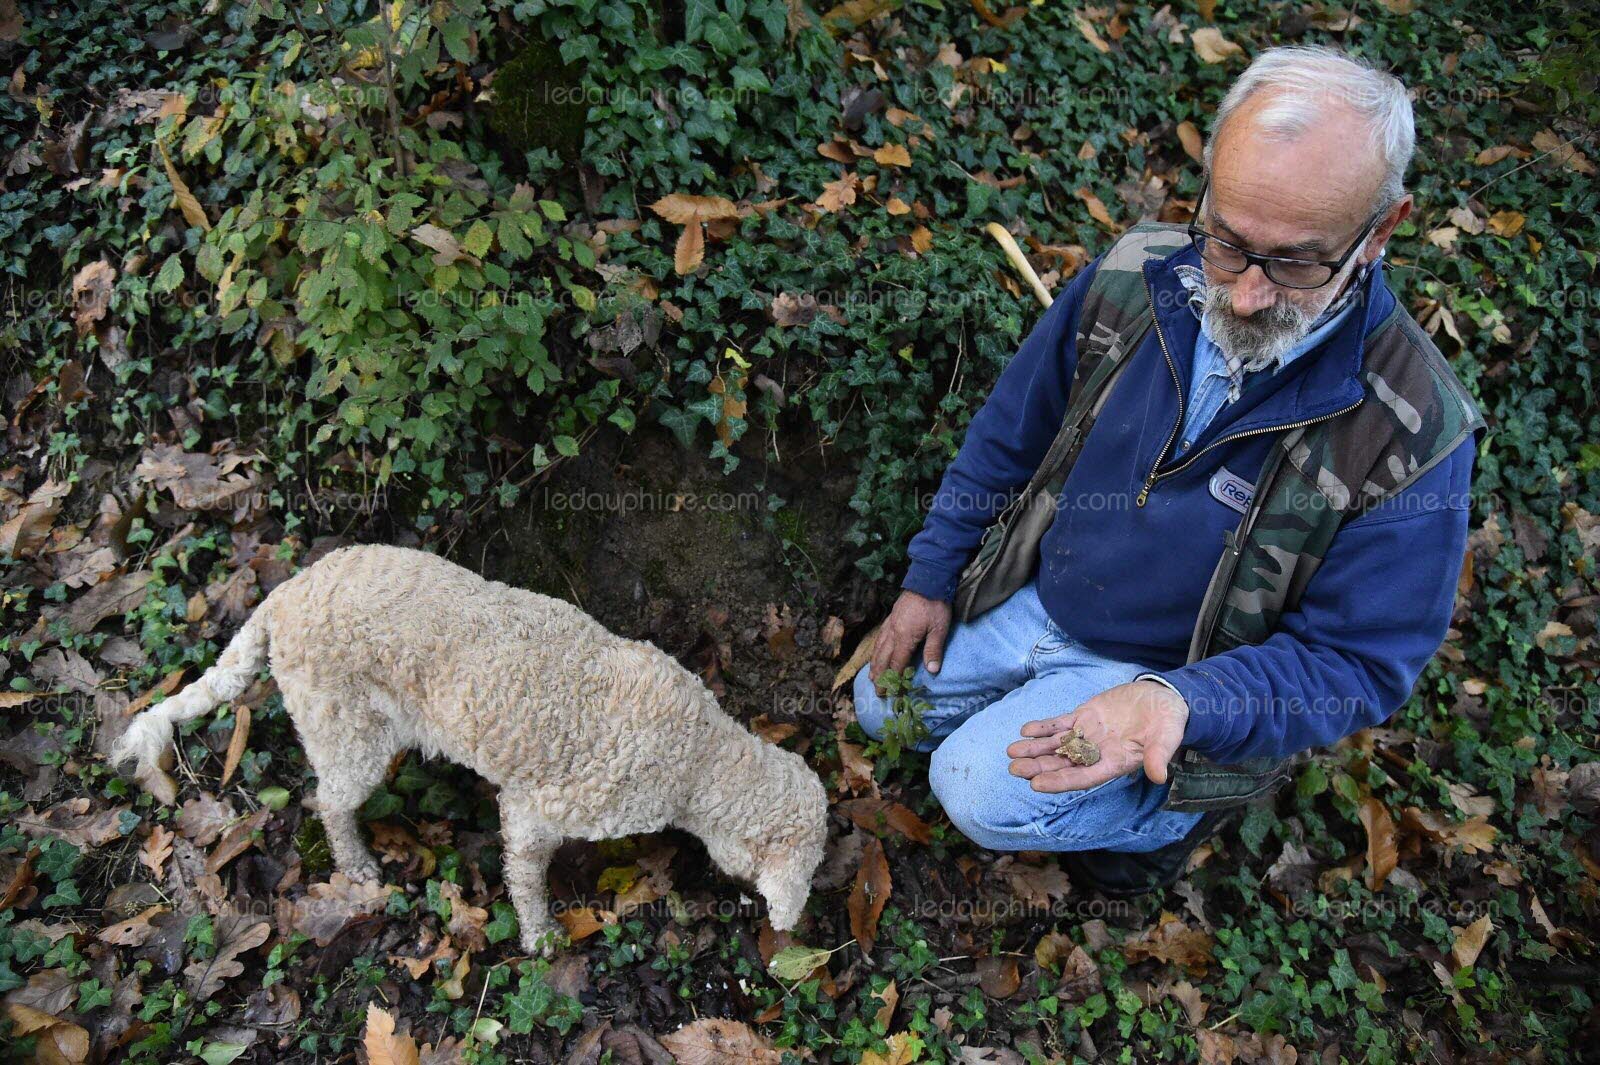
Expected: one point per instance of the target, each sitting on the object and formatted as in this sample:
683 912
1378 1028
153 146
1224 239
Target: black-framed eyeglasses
1281 270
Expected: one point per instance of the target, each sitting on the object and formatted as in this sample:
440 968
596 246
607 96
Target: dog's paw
545 940
366 871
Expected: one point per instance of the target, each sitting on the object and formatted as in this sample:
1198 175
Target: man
1276 432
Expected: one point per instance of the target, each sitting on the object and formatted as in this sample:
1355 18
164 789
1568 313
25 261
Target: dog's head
787 856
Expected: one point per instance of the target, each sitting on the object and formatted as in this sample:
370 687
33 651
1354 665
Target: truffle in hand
1076 748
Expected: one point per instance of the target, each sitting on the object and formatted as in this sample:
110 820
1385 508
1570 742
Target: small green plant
904 728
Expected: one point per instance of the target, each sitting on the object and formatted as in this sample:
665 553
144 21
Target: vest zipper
1144 493
1180 467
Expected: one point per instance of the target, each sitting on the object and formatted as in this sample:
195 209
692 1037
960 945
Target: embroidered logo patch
1232 490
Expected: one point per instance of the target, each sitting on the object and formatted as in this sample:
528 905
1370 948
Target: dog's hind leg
350 753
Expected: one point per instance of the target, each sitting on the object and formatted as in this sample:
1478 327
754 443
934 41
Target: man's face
1308 198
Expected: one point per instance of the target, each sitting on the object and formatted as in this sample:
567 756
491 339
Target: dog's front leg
529 846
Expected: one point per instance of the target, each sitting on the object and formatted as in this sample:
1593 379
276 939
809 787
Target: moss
792 528
311 841
539 102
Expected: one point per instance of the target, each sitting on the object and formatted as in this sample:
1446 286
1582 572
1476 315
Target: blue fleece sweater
1127 579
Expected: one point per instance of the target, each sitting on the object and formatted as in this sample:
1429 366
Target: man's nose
1253 292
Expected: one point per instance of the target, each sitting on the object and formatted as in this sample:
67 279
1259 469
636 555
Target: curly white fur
382 649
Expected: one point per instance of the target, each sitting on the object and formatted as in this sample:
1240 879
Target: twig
1530 162
1018 262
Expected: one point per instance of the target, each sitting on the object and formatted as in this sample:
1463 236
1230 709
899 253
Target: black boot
1125 874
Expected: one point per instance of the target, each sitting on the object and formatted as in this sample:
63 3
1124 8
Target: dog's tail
150 734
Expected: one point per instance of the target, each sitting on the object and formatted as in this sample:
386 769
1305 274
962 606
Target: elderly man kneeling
1212 514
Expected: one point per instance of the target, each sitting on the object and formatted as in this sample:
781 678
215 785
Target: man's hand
915 619
1137 724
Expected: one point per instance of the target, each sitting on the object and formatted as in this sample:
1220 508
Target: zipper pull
1144 493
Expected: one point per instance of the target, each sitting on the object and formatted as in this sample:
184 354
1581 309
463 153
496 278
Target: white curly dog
382 649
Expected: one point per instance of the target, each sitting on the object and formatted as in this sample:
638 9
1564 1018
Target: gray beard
1260 340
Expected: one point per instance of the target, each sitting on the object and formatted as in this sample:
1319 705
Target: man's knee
978 795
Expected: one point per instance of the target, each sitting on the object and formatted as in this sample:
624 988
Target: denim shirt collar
1328 383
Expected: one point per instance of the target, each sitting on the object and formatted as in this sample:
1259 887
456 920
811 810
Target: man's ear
1385 229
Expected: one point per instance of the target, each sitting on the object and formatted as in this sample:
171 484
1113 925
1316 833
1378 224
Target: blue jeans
1008 666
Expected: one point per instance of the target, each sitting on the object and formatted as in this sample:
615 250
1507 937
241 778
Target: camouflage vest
1321 473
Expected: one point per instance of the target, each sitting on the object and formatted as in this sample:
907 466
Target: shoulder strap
1412 415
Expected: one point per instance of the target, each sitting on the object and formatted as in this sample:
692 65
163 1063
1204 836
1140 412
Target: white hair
1306 82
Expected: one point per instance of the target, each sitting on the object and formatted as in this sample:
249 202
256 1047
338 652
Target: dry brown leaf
682 209
789 310
335 903
29 528
892 155
858 775
902 1051
1216 1048
716 1041
1507 223
1469 942
1097 210
1444 238
132 932
1090 34
56 1042
203 819
1172 941
839 194
1491 156
1473 834
1212 47
1383 852
652 884
445 247
384 1046
858 658
832 635
466 920
885 1013
75 821
837 151
91 295
1080 976
420 967
187 204
1563 151
238 741
690 250
999 977
236 932
1193 143
585 922
201 481
156 850
238 839
1035 885
869 812
869 894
